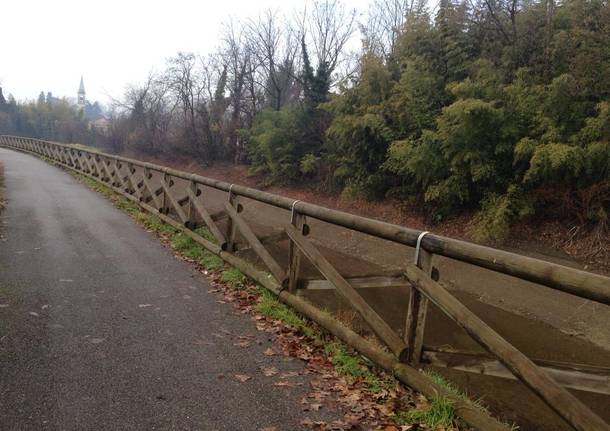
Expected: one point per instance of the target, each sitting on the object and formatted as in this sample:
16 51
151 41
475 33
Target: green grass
233 277
154 223
187 246
271 307
2 201
205 233
193 250
440 414
350 364
211 262
345 363
453 389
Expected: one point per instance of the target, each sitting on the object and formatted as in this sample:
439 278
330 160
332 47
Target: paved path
102 328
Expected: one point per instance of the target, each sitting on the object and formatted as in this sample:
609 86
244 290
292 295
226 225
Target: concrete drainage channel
179 199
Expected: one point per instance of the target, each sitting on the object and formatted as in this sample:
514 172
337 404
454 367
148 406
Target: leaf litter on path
349 397
242 377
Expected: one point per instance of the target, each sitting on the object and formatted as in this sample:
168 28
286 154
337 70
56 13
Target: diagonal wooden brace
205 215
134 184
172 200
377 324
152 193
109 175
257 246
557 398
119 176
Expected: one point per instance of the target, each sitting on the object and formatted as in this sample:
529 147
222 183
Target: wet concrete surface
101 328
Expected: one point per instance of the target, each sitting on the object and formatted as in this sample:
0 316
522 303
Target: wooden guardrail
155 189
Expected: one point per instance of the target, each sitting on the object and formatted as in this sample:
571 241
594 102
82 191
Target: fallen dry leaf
269 371
243 343
242 377
283 383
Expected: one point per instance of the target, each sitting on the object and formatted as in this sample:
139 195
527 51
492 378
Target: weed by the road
2 201
211 262
233 277
187 246
153 223
350 364
193 250
269 306
205 233
453 389
439 414
346 362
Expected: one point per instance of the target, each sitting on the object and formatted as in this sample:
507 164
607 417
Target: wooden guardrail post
231 228
191 212
164 200
418 309
294 254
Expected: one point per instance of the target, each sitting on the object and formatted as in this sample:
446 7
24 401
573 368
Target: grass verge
2 199
439 412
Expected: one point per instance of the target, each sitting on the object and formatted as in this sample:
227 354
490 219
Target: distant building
81 100
52 99
101 125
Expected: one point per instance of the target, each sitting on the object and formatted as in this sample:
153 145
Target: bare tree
328 27
237 57
148 115
386 21
274 45
185 84
212 112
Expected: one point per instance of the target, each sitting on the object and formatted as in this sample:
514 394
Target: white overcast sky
46 45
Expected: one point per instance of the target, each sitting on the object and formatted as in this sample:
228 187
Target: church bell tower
81 101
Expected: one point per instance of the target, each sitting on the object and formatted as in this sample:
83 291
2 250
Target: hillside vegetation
494 106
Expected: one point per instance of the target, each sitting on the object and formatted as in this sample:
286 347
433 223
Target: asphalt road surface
102 328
